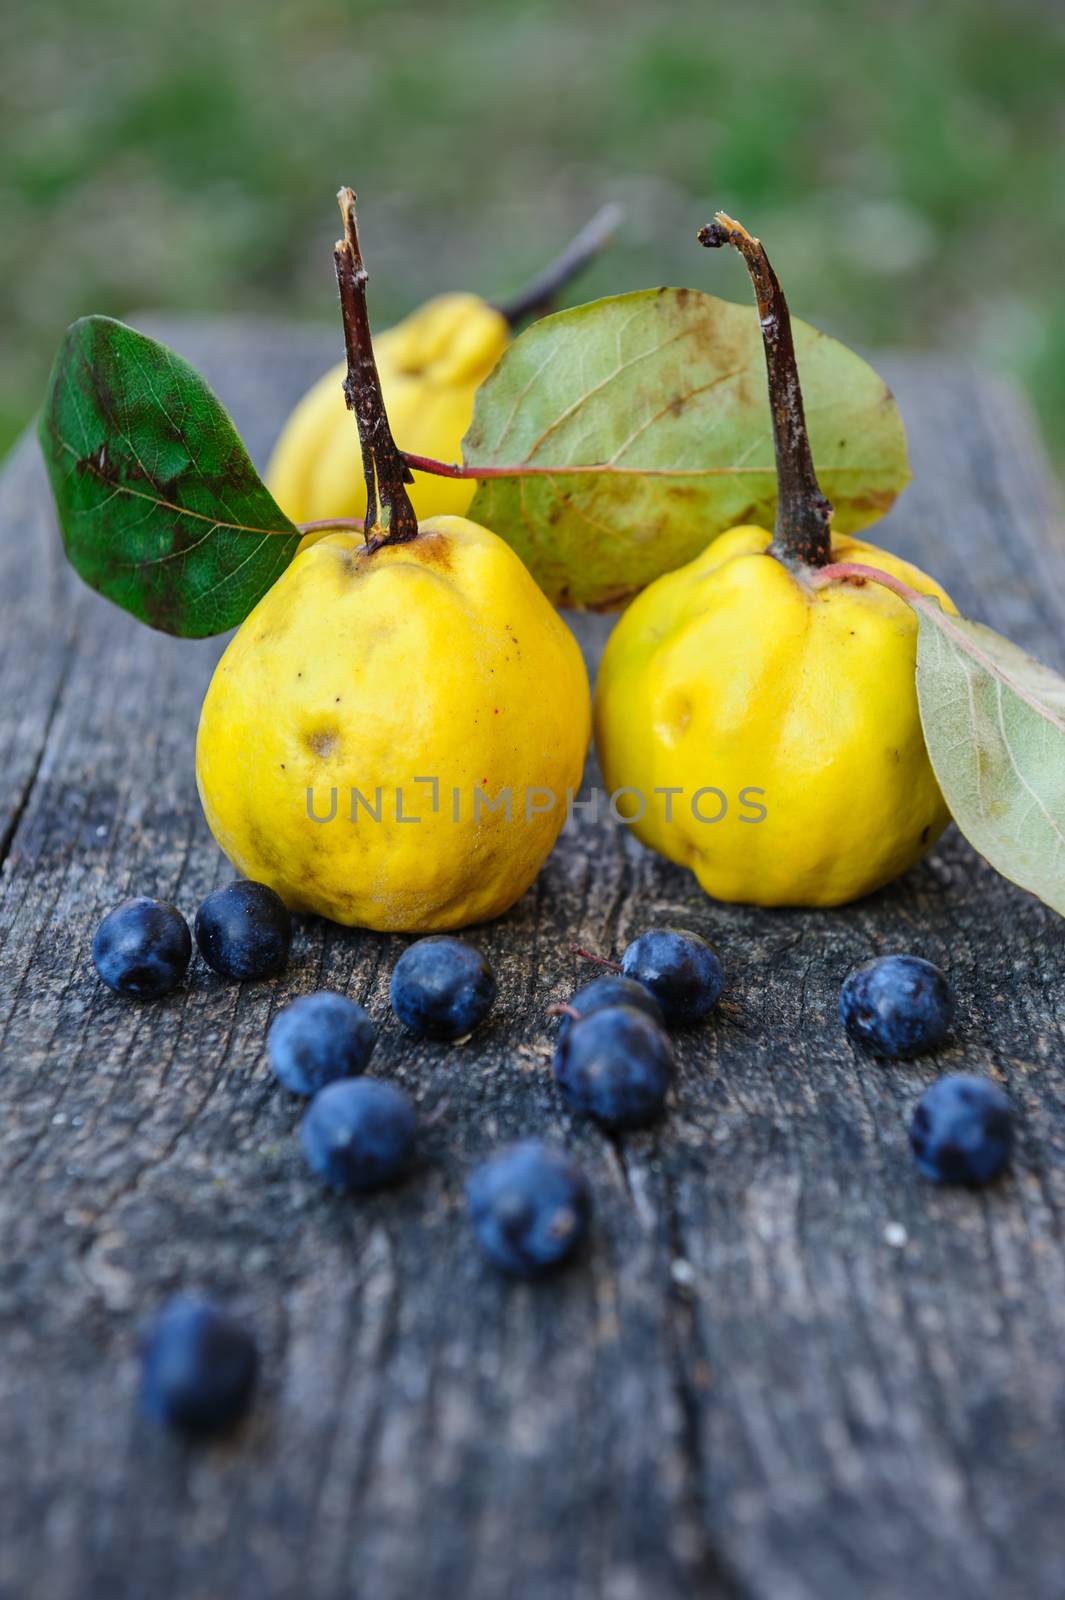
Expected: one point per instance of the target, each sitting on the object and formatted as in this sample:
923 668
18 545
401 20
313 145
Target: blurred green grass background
902 161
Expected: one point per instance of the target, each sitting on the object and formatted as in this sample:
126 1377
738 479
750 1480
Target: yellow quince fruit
372 711
792 707
391 738
760 706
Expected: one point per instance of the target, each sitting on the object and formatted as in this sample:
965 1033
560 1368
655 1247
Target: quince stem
803 514
857 572
539 296
384 468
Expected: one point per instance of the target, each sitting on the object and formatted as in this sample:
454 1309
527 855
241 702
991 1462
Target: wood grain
786 1368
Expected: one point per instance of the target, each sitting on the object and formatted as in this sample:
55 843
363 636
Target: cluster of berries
529 1204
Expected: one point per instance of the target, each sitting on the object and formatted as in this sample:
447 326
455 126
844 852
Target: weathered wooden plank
749 1386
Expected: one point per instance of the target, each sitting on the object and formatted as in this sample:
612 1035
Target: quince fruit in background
430 367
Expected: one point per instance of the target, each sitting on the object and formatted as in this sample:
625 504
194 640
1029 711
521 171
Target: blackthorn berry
529 1206
962 1130
613 990
359 1133
442 988
142 947
615 1064
897 1005
682 971
317 1038
198 1367
244 931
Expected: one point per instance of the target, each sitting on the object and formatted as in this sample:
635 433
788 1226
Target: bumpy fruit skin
737 674
439 658
529 1206
962 1130
897 1005
430 366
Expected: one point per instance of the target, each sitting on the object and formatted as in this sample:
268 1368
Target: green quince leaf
994 724
630 432
159 505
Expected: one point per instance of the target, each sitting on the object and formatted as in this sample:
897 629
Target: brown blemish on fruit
352 559
263 848
434 550
323 742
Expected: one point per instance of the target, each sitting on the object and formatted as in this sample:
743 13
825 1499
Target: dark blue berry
317 1038
529 1206
962 1130
198 1367
897 1006
682 971
244 931
142 947
442 988
359 1133
615 1064
612 990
